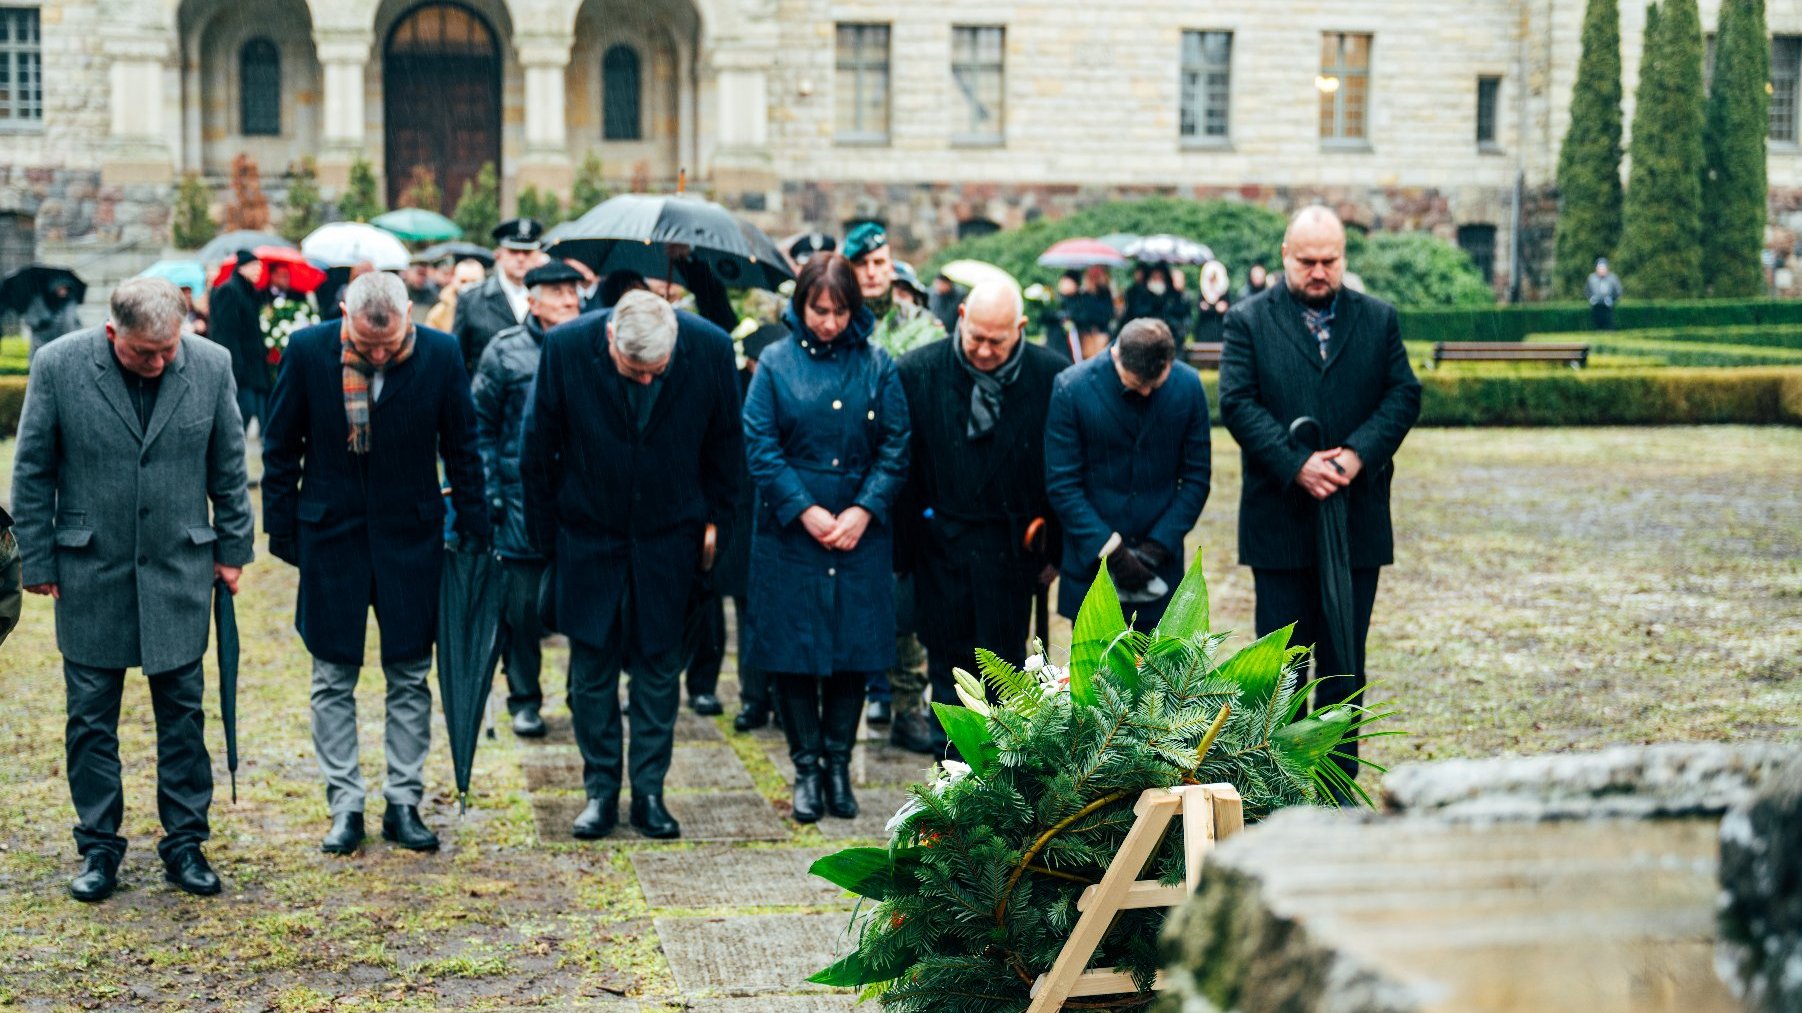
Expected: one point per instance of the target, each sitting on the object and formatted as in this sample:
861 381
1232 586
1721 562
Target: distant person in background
237 325
1603 290
1256 280
1091 310
1157 298
499 302
421 288
467 274
1210 311
589 290
943 301
51 315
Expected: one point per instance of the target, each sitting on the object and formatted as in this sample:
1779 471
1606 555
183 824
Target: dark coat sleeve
888 472
1378 438
1064 473
36 464
724 450
285 444
541 451
488 391
1191 478
1253 427
457 446
781 486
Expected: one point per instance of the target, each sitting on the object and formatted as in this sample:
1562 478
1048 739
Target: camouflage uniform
12 592
902 328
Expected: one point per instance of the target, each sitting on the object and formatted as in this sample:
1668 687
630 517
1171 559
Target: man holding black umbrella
1310 347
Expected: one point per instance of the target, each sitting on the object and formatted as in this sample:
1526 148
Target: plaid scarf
357 371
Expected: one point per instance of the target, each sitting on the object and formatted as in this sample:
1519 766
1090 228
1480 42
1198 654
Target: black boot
187 868
751 717
598 819
651 819
346 835
402 825
705 704
879 712
98 879
807 792
840 710
798 704
527 724
916 732
840 801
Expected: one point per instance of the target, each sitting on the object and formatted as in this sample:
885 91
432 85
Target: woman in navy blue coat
826 434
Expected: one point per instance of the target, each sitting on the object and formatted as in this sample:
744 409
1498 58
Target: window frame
19 59
1791 95
1492 235
246 96
1338 140
966 137
1203 70
862 68
1491 145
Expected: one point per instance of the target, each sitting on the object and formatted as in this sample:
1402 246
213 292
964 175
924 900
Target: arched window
620 85
260 88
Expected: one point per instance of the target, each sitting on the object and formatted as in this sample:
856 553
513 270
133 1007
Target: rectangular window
1489 91
861 100
21 67
1479 242
978 74
1207 79
1344 85
1786 76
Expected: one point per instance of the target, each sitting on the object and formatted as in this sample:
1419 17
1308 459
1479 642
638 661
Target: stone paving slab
871 764
825 1002
752 953
714 816
875 807
692 768
733 877
690 728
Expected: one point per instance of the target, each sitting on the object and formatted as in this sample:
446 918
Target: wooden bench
1203 354
1573 354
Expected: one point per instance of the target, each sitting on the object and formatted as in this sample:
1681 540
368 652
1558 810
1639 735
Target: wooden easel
1210 812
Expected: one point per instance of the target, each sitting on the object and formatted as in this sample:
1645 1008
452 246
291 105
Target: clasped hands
1328 471
841 532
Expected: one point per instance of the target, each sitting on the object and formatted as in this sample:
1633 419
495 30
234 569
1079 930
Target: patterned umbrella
1081 253
1168 249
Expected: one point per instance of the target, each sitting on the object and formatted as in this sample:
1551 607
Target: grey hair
644 326
376 299
148 308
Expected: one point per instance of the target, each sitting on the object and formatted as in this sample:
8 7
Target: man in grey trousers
130 434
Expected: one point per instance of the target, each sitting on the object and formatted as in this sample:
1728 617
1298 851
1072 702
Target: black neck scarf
986 389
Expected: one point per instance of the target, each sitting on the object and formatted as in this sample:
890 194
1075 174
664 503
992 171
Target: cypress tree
362 198
1589 163
1733 199
478 210
1661 231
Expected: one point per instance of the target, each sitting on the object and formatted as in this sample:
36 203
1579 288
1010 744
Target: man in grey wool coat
130 494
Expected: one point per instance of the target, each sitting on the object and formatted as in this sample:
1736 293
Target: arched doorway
441 82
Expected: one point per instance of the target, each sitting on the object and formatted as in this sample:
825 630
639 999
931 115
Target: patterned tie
1320 324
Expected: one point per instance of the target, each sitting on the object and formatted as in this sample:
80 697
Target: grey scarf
986 389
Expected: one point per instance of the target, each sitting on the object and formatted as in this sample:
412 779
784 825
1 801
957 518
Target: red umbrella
302 275
1077 254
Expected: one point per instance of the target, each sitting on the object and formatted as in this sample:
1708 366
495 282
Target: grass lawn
1554 589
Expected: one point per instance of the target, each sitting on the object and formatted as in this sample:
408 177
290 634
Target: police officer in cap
499 302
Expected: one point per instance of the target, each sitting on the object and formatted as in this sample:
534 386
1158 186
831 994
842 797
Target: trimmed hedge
1666 348
1669 396
15 356
1758 335
12 403
1515 323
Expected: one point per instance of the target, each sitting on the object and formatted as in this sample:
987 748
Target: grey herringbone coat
118 516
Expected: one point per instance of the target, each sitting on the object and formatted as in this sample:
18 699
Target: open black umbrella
1334 546
633 232
459 249
225 618
17 290
469 614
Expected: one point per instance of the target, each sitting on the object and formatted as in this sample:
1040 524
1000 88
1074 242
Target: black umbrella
469 615
457 249
225 244
633 231
21 285
1334 546
225 617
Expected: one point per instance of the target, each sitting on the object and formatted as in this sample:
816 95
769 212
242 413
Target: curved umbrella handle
710 539
1035 536
1307 422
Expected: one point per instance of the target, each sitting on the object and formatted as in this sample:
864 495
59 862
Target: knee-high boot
841 709
798 698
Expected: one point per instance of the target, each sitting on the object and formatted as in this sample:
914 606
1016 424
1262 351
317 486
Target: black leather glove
1154 555
1129 572
285 548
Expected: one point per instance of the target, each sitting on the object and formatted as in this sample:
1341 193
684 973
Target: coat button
832 571
835 462
143 560
872 416
836 405
143 511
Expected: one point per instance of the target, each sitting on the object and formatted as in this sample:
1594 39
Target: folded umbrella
225 244
1334 546
19 287
470 595
418 225
347 244
303 275
633 232
1078 254
225 618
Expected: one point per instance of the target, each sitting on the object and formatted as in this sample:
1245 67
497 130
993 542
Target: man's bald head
992 319
1314 255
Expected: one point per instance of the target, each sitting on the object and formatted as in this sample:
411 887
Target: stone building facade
941 118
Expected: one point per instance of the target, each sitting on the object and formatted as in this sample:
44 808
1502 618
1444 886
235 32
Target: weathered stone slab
690 728
711 816
874 763
825 1002
753 953
692 768
727 876
875 807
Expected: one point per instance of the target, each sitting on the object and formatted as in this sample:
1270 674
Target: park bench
1573 354
1203 354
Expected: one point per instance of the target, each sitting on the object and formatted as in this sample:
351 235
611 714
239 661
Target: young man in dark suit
1311 347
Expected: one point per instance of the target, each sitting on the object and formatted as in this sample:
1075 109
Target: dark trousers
653 695
753 684
1601 316
1293 596
820 715
523 632
252 404
184 771
704 640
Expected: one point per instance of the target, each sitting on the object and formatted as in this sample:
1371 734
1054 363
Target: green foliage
1513 323
1787 336
1661 233
1689 348
590 186
193 222
422 190
301 209
12 404
542 205
1630 397
1589 163
1419 269
1734 194
977 891
362 198
479 208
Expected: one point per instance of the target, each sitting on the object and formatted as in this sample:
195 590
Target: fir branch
1044 839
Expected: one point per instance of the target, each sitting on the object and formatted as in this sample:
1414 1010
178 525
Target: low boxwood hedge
12 402
1515 323
1667 348
1756 335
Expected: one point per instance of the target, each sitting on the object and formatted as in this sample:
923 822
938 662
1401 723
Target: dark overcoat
369 528
482 312
235 321
502 384
968 502
825 424
1110 468
1365 395
623 511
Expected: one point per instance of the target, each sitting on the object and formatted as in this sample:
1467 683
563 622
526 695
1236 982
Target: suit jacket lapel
174 387
1281 306
608 378
112 385
1345 327
396 378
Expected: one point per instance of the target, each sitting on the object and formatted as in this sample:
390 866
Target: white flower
944 774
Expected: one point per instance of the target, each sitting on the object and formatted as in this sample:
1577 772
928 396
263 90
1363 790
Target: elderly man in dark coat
978 401
503 384
632 447
130 434
1311 347
1126 466
499 302
363 411
234 320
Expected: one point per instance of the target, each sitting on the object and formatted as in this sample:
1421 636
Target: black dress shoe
840 801
99 877
598 819
878 712
651 819
187 869
751 717
346 835
527 724
807 795
706 705
915 732
402 825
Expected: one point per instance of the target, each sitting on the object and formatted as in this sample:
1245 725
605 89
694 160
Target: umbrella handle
1307 422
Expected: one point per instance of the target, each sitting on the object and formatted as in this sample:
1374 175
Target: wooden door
441 78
